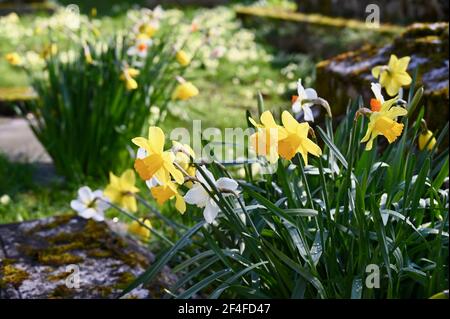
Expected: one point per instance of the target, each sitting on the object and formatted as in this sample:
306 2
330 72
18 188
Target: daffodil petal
267 119
290 124
156 139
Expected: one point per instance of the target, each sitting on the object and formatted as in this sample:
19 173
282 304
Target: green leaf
153 270
216 293
332 147
203 283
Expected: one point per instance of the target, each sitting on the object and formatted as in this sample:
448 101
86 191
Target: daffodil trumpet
426 139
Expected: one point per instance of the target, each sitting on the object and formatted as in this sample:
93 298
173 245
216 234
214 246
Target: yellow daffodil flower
183 152
185 91
297 140
383 119
128 76
393 76
13 58
121 190
148 29
265 140
139 230
158 163
424 138
183 58
49 50
166 192
87 54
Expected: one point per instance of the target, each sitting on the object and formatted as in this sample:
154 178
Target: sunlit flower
302 101
185 91
183 58
49 50
163 193
147 27
13 58
139 230
183 154
128 75
426 140
297 140
383 118
88 56
90 204
393 76
5 199
218 52
158 163
265 140
198 195
121 190
140 47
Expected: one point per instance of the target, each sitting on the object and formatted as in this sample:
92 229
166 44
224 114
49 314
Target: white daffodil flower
301 105
140 48
376 89
90 204
198 195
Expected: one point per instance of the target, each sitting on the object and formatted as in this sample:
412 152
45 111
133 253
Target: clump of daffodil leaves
371 191
113 80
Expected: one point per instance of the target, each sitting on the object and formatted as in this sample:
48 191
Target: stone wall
393 11
34 256
204 3
349 74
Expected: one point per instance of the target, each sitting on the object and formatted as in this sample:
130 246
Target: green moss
95 239
104 292
61 291
11 275
58 221
125 279
99 253
8 261
57 277
57 260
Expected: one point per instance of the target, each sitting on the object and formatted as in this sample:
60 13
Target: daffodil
426 140
185 91
383 118
265 140
163 193
140 47
183 154
138 228
90 204
121 190
88 55
302 101
199 196
393 76
128 75
49 50
13 58
183 58
5 199
157 163
297 140
147 27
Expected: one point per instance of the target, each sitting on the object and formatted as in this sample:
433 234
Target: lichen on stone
10 275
